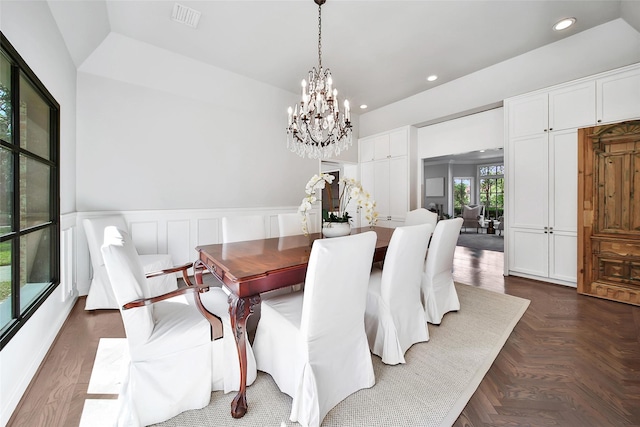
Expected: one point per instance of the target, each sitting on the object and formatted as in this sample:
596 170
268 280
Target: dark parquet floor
570 361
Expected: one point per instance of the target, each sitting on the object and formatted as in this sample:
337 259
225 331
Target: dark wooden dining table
252 267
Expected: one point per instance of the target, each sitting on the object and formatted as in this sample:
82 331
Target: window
29 192
462 193
492 190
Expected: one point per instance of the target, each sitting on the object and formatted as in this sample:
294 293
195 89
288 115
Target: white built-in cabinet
619 96
388 174
541 163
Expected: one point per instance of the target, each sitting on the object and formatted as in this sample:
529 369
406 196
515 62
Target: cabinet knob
545 130
550 128
599 120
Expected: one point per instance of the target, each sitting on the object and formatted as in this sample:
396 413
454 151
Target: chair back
472 212
421 216
439 262
94 230
403 267
241 228
336 286
334 303
127 280
289 224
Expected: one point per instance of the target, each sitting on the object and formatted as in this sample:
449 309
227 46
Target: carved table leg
239 310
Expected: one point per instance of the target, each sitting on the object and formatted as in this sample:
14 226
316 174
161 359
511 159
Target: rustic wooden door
609 212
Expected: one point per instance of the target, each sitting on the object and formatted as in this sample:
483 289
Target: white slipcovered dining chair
313 343
439 294
394 318
173 363
241 228
421 216
289 224
100 294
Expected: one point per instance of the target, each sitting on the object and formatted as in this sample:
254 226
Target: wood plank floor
571 360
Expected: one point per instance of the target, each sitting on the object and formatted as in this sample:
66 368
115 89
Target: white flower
351 190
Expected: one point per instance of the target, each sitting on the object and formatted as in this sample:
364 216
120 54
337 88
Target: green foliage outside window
461 194
492 190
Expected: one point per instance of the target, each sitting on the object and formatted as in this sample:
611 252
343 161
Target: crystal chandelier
316 128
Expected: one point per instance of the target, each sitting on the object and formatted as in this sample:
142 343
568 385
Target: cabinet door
398 143
381 146
528 178
528 251
381 188
563 181
399 188
367 180
563 256
528 116
619 97
572 107
366 149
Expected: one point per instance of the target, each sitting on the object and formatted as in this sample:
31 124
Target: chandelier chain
320 35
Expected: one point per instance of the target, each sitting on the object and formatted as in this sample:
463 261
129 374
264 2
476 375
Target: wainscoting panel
208 231
174 232
179 241
67 252
146 236
68 255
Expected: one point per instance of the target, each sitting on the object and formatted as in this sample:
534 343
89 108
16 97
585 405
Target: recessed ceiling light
432 78
364 106
564 24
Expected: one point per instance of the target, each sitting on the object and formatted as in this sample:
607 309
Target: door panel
529 181
563 176
529 253
399 195
609 232
562 256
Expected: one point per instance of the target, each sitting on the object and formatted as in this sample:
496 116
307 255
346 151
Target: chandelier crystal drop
317 129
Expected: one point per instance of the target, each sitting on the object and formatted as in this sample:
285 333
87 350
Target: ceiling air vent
185 15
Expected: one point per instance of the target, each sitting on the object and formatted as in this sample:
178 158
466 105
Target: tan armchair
472 216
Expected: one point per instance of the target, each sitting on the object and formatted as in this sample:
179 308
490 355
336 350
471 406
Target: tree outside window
492 190
462 188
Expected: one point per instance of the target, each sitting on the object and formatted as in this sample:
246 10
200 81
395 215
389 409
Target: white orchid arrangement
351 191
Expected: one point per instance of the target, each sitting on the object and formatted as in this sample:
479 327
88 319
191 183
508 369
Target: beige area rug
431 389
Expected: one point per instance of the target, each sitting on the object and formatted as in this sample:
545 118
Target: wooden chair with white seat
439 294
394 318
313 343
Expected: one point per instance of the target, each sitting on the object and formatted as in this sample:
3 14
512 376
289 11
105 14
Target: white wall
157 130
608 46
475 132
30 28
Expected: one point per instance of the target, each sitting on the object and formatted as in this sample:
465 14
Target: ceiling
379 52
